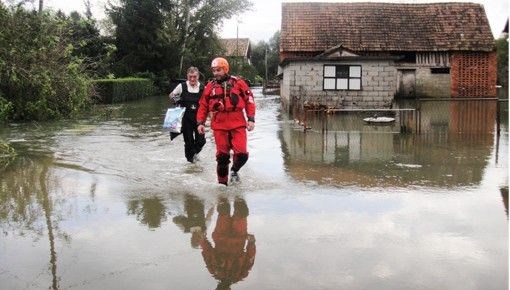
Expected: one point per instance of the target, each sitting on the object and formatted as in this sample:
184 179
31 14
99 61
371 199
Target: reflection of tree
25 198
47 214
504 195
148 211
233 254
194 220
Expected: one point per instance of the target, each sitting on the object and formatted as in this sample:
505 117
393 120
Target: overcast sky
265 18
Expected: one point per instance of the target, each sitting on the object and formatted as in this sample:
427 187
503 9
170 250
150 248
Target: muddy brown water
108 202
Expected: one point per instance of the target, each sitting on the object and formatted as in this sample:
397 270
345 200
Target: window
342 77
440 70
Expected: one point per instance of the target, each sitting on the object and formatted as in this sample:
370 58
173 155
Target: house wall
474 74
430 85
303 82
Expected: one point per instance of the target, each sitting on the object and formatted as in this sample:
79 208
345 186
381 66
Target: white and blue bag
173 119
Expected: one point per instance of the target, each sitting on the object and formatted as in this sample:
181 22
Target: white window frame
331 76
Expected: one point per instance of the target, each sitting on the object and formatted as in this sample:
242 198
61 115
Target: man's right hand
201 129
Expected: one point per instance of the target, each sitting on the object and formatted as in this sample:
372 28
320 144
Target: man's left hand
251 126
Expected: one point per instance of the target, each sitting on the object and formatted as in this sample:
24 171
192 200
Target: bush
244 70
40 77
120 90
502 52
6 109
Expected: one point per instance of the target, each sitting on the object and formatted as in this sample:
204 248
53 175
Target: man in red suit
231 102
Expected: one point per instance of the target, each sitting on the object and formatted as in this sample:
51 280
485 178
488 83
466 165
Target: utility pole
186 24
41 4
236 54
265 62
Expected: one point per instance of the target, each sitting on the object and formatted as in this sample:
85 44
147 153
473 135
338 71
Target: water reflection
453 149
472 117
87 182
504 196
195 221
148 211
28 209
233 254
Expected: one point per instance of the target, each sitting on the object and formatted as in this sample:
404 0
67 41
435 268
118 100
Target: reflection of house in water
453 150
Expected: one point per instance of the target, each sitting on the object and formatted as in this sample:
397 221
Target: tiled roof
311 27
236 46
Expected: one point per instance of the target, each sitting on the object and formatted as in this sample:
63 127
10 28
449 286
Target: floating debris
409 165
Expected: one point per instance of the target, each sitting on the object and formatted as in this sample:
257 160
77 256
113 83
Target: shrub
120 90
40 77
5 109
502 52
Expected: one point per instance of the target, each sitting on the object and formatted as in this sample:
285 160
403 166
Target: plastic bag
173 119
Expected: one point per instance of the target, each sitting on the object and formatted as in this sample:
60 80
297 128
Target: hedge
121 90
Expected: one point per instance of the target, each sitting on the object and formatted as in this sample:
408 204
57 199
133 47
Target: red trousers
227 140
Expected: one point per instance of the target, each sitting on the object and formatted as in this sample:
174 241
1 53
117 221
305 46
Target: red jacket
228 100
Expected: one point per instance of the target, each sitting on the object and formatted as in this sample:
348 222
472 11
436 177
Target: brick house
366 54
237 48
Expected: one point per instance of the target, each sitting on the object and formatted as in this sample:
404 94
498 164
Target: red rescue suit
233 254
228 100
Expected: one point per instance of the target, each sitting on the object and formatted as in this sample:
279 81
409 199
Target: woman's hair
193 69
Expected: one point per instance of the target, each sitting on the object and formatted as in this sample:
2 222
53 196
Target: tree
140 37
258 54
271 50
273 58
155 35
40 77
88 44
502 54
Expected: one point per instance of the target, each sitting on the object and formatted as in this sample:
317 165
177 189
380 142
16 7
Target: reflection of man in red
233 255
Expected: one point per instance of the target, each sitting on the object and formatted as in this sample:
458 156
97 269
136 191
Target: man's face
218 73
192 78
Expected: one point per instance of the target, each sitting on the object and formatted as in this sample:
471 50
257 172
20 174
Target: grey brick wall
304 81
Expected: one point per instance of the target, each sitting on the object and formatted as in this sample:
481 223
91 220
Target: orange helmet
220 62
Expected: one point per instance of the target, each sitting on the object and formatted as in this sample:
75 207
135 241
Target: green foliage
502 52
258 55
6 109
40 77
95 50
120 90
244 70
171 29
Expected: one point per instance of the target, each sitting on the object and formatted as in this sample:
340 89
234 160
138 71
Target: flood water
109 202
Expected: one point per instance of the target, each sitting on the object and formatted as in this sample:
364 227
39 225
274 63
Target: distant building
366 54
504 33
237 48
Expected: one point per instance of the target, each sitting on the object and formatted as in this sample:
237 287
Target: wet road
110 203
